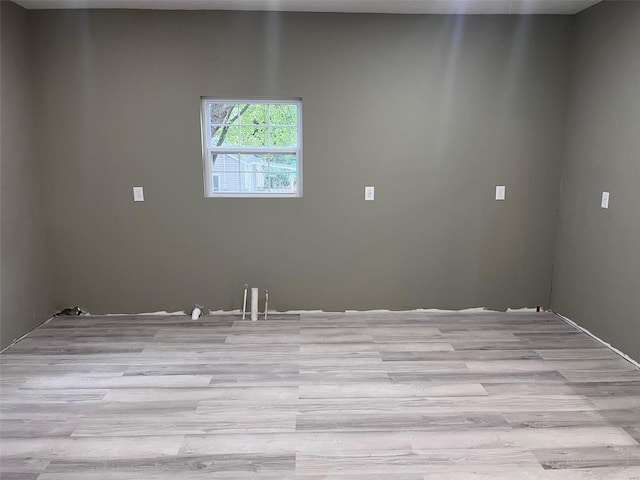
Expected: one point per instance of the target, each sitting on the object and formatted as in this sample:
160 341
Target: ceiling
478 7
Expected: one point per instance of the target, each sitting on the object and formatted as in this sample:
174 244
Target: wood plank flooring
367 396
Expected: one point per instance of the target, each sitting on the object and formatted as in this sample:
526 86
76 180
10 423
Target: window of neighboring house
252 148
215 184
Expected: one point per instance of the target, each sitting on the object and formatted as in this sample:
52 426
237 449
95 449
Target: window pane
283 137
223 113
224 136
283 114
255 173
254 170
226 167
253 114
281 175
251 136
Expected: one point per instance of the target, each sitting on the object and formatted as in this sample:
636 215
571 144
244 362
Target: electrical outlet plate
501 192
369 193
605 200
138 194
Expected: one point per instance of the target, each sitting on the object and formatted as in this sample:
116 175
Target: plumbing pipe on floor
254 304
244 302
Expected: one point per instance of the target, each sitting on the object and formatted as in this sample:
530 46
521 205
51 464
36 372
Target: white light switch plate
501 192
369 193
605 200
138 194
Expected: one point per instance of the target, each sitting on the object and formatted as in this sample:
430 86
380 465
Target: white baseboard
608 345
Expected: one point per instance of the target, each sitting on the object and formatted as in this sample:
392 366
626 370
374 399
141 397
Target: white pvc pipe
266 303
254 304
244 302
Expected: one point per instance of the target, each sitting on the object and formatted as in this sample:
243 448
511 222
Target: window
252 148
215 185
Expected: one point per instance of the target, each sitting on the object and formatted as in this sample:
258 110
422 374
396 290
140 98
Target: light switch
369 193
605 200
501 192
138 194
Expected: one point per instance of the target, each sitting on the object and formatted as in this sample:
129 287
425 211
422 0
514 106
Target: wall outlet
501 192
369 193
605 200
138 194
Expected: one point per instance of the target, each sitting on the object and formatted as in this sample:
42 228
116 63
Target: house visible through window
252 148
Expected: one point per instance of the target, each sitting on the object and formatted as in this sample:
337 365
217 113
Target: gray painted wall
26 293
597 273
463 103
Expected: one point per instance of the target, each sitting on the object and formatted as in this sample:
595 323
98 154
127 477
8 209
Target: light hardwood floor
318 396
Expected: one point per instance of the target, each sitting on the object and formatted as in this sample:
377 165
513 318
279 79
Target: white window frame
207 151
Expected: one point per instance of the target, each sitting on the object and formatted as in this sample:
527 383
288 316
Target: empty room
320 239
